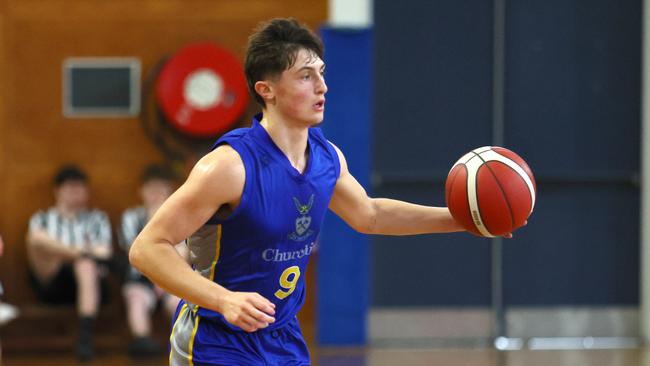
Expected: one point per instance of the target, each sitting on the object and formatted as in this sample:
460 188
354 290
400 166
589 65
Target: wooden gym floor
42 337
385 357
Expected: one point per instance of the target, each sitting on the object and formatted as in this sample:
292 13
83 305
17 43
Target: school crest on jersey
303 221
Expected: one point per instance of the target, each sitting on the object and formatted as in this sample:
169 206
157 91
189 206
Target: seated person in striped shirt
65 246
142 296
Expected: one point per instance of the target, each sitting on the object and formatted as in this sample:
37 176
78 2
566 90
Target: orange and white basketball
490 191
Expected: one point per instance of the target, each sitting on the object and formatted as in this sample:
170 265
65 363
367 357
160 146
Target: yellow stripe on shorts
190 347
180 315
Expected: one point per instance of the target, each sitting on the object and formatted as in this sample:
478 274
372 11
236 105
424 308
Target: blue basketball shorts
198 341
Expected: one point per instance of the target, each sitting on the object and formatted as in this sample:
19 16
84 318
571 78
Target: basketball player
252 209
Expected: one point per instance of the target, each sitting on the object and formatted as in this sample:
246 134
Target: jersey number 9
288 282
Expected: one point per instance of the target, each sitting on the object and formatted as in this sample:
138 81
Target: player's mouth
320 105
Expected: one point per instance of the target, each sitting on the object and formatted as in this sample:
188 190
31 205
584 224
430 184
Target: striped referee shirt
133 221
88 227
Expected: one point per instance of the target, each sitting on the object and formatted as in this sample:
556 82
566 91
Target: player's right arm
216 180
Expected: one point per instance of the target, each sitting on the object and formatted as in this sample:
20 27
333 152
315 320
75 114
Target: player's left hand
248 310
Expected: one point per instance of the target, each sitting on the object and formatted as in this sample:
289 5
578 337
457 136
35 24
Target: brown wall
35 138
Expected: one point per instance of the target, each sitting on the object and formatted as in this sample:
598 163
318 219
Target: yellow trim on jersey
180 315
217 252
191 344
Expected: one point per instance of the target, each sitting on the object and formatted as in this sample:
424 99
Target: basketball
490 191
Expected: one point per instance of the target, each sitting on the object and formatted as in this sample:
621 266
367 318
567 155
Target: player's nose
321 87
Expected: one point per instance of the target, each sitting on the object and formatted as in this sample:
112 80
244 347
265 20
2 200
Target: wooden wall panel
35 138
3 140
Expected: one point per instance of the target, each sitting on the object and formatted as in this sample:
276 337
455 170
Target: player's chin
314 119
321 114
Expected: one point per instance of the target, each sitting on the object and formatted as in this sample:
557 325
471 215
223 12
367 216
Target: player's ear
265 90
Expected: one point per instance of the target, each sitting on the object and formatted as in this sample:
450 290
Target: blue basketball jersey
265 243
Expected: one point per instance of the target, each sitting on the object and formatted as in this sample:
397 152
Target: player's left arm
385 216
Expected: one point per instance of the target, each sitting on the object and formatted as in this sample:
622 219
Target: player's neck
289 137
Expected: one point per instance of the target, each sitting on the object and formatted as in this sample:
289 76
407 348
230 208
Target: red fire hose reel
202 90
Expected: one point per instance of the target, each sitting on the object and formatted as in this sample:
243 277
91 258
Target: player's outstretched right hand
248 310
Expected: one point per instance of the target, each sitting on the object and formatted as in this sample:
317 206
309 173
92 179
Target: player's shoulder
317 131
317 134
223 164
342 165
339 153
231 137
227 149
223 155
236 133
219 174
336 148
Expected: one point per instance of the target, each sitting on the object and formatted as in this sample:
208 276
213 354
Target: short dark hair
273 48
68 173
157 171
